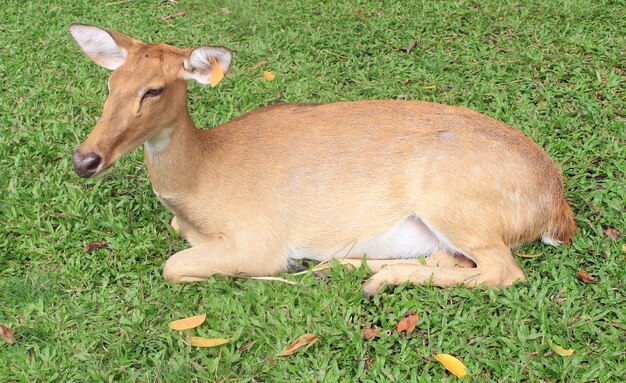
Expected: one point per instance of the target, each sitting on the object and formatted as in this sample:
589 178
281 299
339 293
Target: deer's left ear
199 65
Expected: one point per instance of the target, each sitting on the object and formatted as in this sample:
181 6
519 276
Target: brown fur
321 177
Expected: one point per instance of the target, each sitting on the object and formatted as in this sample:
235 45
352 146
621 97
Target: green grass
554 69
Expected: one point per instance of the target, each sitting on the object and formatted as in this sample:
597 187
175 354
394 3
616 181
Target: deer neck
173 156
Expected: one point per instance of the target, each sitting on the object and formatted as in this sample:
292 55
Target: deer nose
86 165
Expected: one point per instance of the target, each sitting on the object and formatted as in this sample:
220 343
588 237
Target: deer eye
152 92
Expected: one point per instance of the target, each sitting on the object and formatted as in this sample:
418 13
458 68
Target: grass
553 69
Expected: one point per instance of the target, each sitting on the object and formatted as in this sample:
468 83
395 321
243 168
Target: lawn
554 69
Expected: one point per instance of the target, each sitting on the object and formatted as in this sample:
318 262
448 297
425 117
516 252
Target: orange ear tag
217 74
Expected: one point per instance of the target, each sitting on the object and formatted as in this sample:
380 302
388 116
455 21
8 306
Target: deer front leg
188 232
175 224
221 256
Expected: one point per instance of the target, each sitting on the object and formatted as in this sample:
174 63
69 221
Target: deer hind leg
495 267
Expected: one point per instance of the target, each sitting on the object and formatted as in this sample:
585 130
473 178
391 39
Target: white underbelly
412 238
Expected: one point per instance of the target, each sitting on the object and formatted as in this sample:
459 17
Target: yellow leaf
269 76
187 323
302 341
560 350
204 342
430 87
452 364
217 74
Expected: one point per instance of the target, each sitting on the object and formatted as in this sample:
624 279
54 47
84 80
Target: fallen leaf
302 341
410 47
370 333
269 76
585 278
187 323
452 364
408 322
91 246
611 232
560 350
245 347
7 334
204 342
407 81
430 87
498 49
217 74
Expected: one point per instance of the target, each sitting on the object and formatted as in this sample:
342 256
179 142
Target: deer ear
199 65
106 48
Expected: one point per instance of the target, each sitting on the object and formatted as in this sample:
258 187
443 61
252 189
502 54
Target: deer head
147 91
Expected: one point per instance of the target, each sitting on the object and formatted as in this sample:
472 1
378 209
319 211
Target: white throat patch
157 143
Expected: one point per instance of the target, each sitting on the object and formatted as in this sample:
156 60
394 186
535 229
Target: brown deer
389 181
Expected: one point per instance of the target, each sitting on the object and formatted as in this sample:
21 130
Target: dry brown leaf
498 49
370 333
410 47
217 73
269 76
91 246
245 347
7 334
585 278
187 323
452 364
407 81
560 350
408 322
611 232
302 341
204 342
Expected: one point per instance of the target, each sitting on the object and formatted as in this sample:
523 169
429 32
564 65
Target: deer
419 192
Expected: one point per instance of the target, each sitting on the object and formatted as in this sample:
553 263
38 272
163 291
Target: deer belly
411 238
